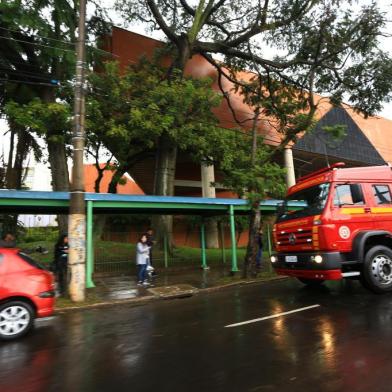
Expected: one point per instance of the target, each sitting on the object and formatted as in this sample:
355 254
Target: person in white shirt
142 259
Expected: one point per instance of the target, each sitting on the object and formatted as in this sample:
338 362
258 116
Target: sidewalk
168 284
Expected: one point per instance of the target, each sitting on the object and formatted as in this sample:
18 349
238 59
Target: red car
26 292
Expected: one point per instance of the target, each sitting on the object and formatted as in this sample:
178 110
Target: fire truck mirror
356 193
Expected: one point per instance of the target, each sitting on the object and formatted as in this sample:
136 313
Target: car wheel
311 282
16 319
377 269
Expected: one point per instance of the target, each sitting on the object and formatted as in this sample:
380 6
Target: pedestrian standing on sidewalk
142 260
259 242
61 262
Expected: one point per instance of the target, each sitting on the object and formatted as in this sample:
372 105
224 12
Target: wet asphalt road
182 345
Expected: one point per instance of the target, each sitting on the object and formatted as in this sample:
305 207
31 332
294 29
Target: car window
30 261
1 258
348 194
382 194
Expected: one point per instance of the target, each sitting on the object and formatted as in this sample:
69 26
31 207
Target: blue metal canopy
58 203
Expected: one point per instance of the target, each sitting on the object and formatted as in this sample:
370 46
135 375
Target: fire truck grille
295 238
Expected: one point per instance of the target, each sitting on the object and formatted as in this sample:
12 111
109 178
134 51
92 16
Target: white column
289 165
208 190
207 177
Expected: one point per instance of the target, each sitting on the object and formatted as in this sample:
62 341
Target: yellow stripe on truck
381 210
374 210
350 211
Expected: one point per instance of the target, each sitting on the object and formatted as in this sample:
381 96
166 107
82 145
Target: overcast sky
385 5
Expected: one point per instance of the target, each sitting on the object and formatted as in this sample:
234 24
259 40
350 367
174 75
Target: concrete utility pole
77 214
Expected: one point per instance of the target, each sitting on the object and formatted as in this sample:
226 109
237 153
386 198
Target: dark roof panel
354 146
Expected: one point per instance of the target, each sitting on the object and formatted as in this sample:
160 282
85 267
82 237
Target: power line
37 35
55 40
37 44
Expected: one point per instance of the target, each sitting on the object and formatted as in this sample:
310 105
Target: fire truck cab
342 230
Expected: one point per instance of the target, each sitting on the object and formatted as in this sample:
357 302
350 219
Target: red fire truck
341 227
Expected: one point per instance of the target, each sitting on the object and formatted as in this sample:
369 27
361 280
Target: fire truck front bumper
323 266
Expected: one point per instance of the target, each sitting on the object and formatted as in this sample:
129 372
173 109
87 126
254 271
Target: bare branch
161 21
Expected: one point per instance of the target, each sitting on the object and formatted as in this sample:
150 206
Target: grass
108 251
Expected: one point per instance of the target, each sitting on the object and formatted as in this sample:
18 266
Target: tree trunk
16 159
99 226
167 157
97 182
15 169
22 149
121 170
212 233
57 159
255 215
60 174
164 186
9 173
249 266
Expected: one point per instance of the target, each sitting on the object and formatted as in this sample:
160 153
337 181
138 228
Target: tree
134 111
36 58
326 47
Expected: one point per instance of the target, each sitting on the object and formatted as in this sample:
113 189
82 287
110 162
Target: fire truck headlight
318 259
273 259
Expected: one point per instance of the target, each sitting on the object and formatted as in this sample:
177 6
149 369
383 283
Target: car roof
9 250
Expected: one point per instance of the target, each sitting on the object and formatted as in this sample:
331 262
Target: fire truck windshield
313 199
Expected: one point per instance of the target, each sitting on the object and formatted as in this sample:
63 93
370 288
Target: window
348 194
382 194
313 201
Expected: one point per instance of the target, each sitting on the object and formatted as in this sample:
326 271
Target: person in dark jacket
61 262
7 241
259 242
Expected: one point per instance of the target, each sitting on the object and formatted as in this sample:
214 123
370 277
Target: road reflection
341 346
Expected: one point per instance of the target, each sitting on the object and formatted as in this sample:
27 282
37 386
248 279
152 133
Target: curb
136 301
149 298
242 283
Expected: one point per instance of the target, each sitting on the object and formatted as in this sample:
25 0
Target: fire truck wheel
377 269
311 282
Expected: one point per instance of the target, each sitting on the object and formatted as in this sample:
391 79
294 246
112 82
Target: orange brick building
363 145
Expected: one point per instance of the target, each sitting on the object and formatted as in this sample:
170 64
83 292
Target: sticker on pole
344 232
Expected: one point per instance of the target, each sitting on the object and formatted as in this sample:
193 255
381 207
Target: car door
2 275
351 213
382 206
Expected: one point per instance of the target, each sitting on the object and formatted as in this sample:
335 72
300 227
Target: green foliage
263 179
37 64
38 116
337 131
129 111
40 234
